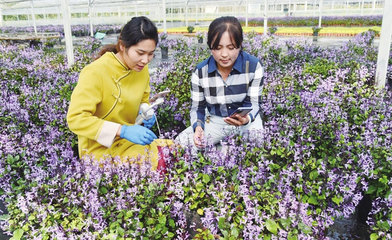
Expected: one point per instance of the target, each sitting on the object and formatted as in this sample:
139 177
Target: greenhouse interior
209 119
49 12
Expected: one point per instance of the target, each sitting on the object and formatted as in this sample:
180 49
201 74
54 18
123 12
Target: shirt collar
212 67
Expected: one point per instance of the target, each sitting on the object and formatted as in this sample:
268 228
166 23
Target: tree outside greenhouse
324 154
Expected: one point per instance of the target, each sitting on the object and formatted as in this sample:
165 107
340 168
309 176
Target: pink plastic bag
162 159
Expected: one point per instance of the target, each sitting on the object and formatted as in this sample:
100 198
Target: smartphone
159 95
242 111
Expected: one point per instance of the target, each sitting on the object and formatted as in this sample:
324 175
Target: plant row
346 21
327 21
77 30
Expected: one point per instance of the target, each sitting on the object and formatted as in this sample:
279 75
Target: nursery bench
29 37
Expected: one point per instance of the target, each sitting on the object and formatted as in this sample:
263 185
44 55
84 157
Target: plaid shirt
242 88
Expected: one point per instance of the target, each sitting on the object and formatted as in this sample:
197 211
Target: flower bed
77 30
327 142
345 21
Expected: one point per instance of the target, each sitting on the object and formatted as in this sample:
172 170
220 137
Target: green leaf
265 237
170 235
285 223
312 200
120 215
371 189
200 211
120 231
199 187
373 236
162 219
292 237
271 226
4 217
221 223
225 233
111 236
150 221
337 200
31 217
172 223
304 228
235 233
206 178
313 174
18 233
103 190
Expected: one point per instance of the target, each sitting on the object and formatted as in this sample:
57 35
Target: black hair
136 30
221 25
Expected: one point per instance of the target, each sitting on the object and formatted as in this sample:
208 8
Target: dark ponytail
136 30
107 48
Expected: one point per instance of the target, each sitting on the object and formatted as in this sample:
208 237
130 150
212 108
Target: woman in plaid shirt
228 79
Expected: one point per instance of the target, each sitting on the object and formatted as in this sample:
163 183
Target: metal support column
385 45
186 13
1 16
33 17
90 16
67 32
265 17
246 14
164 15
320 12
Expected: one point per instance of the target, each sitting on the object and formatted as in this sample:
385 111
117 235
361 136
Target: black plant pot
200 40
165 53
3 210
315 36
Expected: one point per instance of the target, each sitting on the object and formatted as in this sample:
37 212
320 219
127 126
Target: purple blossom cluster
165 42
77 30
321 110
326 142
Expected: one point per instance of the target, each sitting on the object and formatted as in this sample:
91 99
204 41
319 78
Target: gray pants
215 130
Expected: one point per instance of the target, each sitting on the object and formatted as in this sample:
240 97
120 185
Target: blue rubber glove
137 134
149 122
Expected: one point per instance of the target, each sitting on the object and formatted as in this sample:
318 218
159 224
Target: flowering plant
316 30
164 42
190 29
200 35
326 143
272 30
294 21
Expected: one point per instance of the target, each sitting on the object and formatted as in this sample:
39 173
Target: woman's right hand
198 137
137 134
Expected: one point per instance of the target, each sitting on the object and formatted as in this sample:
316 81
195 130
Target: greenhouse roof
12 4
18 10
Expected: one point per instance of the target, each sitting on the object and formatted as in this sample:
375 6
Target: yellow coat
107 96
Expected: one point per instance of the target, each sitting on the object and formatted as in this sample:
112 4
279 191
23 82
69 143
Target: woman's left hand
237 120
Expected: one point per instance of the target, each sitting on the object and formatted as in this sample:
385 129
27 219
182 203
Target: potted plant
200 37
190 29
163 44
272 30
316 30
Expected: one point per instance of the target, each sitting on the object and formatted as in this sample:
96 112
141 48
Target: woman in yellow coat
107 98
